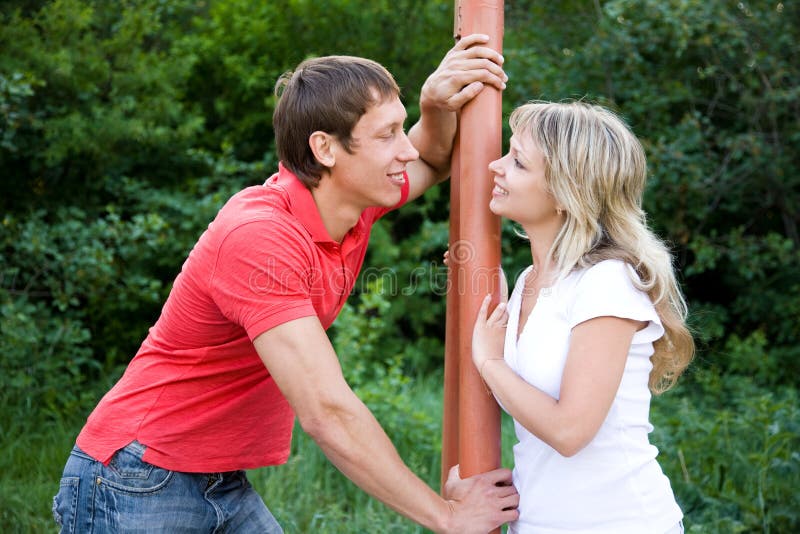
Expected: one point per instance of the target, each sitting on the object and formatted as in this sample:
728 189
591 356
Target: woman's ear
321 144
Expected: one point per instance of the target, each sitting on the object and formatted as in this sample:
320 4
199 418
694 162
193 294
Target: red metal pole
474 253
451 341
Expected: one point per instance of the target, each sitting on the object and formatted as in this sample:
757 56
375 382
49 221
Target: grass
734 464
309 483
308 494
32 460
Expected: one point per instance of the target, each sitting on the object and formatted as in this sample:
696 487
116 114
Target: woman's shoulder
607 278
611 271
609 288
610 267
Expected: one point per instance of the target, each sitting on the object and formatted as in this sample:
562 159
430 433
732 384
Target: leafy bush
375 371
91 91
79 289
735 468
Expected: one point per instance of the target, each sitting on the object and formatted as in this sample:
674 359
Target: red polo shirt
196 394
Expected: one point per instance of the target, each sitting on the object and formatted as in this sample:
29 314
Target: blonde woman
593 327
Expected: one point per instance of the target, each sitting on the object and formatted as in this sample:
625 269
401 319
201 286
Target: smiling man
240 347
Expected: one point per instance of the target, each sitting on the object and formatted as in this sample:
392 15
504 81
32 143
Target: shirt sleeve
263 276
606 289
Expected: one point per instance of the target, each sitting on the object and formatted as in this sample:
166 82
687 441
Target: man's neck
338 217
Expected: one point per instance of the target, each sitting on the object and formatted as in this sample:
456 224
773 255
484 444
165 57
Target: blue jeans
130 495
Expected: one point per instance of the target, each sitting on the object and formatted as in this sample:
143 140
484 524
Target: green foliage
79 289
90 91
241 47
412 274
730 451
374 369
34 452
308 494
736 468
42 354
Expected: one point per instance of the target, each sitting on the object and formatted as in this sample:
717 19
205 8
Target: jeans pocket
65 504
127 472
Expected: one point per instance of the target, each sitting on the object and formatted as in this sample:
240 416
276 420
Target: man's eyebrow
394 125
402 121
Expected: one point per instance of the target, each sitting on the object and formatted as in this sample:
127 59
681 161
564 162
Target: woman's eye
517 164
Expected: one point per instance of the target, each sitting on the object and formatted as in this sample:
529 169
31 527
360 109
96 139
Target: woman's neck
541 241
543 263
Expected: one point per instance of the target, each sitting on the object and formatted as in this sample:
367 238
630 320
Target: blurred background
125 125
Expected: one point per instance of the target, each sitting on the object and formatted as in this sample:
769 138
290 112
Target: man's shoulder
263 198
260 210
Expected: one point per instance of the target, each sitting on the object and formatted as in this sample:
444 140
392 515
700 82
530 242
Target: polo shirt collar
302 205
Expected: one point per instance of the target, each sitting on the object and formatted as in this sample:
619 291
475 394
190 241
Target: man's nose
409 153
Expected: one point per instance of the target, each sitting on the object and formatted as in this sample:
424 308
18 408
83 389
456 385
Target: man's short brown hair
328 94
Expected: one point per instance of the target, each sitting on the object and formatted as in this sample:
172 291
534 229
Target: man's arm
461 75
302 361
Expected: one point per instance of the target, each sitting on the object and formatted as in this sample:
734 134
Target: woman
593 326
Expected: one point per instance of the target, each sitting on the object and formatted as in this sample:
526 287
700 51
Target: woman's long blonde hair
596 170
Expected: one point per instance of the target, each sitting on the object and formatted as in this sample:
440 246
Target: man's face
373 174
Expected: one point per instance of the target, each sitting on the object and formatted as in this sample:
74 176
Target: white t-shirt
614 485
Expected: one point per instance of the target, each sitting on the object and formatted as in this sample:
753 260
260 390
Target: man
240 347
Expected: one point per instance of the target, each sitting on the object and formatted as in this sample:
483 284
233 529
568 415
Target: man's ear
322 146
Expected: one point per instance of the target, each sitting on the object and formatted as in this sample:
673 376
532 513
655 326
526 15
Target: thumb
483 312
503 286
455 473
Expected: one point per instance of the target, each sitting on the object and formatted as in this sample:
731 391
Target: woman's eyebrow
517 150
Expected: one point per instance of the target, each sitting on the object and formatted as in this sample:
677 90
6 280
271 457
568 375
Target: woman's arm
593 371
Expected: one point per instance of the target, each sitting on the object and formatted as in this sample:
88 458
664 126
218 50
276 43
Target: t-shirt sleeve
373 214
263 277
606 289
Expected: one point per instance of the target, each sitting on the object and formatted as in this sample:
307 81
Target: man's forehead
385 112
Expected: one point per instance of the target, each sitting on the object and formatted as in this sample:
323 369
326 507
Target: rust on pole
474 440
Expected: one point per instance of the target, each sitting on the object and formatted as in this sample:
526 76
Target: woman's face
520 189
